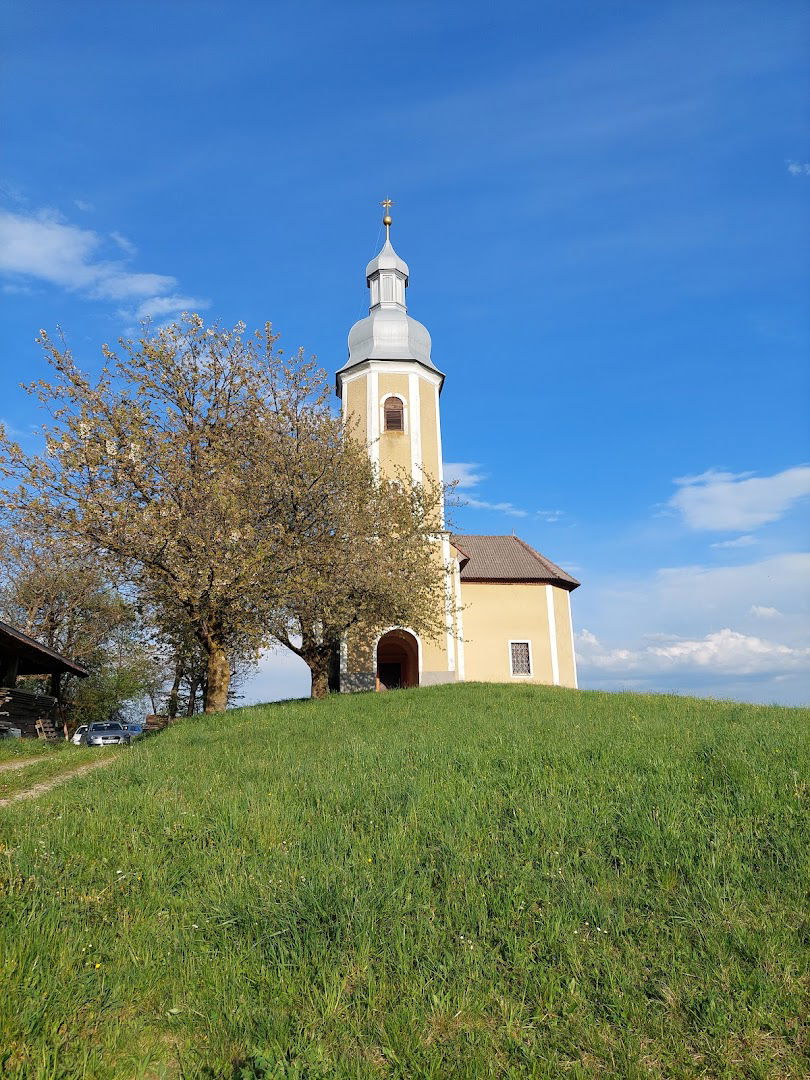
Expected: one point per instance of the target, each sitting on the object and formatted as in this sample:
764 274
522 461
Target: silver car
109 734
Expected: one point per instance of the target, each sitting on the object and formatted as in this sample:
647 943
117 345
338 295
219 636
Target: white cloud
501 507
158 306
467 474
630 615
125 244
42 245
798 168
690 601
83 205
725 652
736 501
738 542
549 516
464 474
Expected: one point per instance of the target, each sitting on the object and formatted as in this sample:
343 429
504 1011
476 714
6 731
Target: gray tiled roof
506 558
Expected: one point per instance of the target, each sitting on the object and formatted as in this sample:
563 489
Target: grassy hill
470 881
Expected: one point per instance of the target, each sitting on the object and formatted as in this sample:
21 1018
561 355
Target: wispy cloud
468 474
798 168
158 306
724 501
44 246
124 243
501 507
760 612
738 542
464 474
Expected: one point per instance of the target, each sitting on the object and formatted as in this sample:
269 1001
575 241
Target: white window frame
404 400
521 675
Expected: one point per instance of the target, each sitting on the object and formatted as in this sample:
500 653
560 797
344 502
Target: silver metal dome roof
388 332
387 260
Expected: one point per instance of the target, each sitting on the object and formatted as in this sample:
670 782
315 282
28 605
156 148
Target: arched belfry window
394 414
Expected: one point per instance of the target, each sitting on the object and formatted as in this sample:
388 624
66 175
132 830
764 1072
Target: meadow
470 881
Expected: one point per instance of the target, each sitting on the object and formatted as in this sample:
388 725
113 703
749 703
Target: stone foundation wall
355 682
435 678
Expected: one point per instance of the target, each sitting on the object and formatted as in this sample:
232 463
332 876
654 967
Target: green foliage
206 467
468 881
62 596
111 691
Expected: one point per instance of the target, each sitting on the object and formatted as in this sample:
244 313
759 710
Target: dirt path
9 766
54 781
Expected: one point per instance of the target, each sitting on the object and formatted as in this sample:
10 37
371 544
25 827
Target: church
508 608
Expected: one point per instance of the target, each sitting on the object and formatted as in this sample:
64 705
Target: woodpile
157 723
34 714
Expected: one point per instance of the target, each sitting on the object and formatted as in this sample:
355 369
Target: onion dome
388 332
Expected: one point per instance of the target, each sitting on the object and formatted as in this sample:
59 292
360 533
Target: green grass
463 881
16 749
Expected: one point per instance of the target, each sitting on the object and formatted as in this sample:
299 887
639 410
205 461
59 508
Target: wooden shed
33 714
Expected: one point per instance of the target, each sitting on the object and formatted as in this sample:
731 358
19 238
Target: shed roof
36 659
507 559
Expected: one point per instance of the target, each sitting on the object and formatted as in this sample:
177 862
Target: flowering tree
207 468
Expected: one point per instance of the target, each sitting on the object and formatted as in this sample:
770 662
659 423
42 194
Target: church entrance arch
397 660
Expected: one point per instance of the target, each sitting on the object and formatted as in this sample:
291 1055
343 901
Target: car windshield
106 727
81 728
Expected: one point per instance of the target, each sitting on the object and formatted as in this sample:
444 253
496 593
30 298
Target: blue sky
605 212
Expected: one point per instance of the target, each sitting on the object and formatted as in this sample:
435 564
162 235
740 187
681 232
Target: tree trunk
218 678
174 693
320 680
318 661
193 687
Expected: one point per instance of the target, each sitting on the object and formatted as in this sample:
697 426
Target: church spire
388 333
386 204
387 274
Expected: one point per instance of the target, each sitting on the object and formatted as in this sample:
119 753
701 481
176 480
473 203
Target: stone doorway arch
397 660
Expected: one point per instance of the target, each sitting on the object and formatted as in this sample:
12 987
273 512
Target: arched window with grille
394 414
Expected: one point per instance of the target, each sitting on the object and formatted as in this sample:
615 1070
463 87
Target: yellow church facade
507 608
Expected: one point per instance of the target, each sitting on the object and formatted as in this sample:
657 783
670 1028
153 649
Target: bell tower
389 388
389 385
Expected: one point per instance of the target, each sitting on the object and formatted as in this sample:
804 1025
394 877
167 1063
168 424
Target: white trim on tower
439 436
573 648
448 603
552 636
459 620
416 426
373 418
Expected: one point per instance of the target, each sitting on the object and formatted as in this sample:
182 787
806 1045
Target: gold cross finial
386 204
